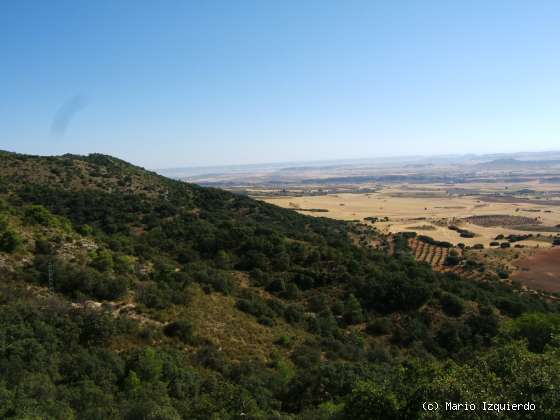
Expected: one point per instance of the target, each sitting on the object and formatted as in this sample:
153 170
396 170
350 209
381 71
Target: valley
498 210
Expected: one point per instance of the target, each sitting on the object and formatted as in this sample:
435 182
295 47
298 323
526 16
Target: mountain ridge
154 298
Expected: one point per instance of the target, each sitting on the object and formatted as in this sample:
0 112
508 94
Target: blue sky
181 83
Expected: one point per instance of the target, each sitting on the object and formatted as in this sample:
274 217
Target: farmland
499 215
540 270
512 236
396 209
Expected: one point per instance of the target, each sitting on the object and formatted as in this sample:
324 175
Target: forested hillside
125 294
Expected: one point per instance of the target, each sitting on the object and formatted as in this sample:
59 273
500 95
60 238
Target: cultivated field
502 212
431 209
436 256
540 271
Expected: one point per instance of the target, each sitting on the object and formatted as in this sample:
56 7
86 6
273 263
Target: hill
126 294
510 163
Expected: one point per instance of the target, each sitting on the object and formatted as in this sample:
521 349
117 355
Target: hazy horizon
319 162
365 159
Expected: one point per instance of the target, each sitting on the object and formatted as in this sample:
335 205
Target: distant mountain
508 163
290 173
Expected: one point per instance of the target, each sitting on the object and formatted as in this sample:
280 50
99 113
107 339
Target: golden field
429 209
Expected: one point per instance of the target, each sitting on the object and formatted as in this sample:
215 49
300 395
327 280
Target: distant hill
128 295
518 164
455 168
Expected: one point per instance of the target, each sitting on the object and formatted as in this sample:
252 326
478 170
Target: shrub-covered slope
125 294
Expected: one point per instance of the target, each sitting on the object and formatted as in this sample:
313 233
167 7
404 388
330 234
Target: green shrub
266 321
306 356
369 400
452 305
43 247
103 260
293 314
181 329
283 341
353 313
538 329
379 326
452 260
39 215
9 241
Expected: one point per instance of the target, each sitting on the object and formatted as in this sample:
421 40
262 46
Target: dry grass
405 209
239 335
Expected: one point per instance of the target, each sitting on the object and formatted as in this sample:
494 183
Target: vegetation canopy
127 295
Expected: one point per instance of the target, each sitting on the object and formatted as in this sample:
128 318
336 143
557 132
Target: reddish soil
540 271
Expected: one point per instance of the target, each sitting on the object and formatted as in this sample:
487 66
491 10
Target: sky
194 83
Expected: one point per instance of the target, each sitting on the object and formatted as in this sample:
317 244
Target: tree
452 259
451 304
37 214
306 356
9 241
324 324
293 314
369 401
3 221
182 329
353 313
223 260
379 326
292 291
538 329
149 365
103 260
43 247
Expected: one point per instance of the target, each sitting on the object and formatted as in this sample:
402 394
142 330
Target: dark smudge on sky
66 113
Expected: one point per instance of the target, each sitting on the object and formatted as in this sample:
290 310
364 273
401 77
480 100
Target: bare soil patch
540 271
